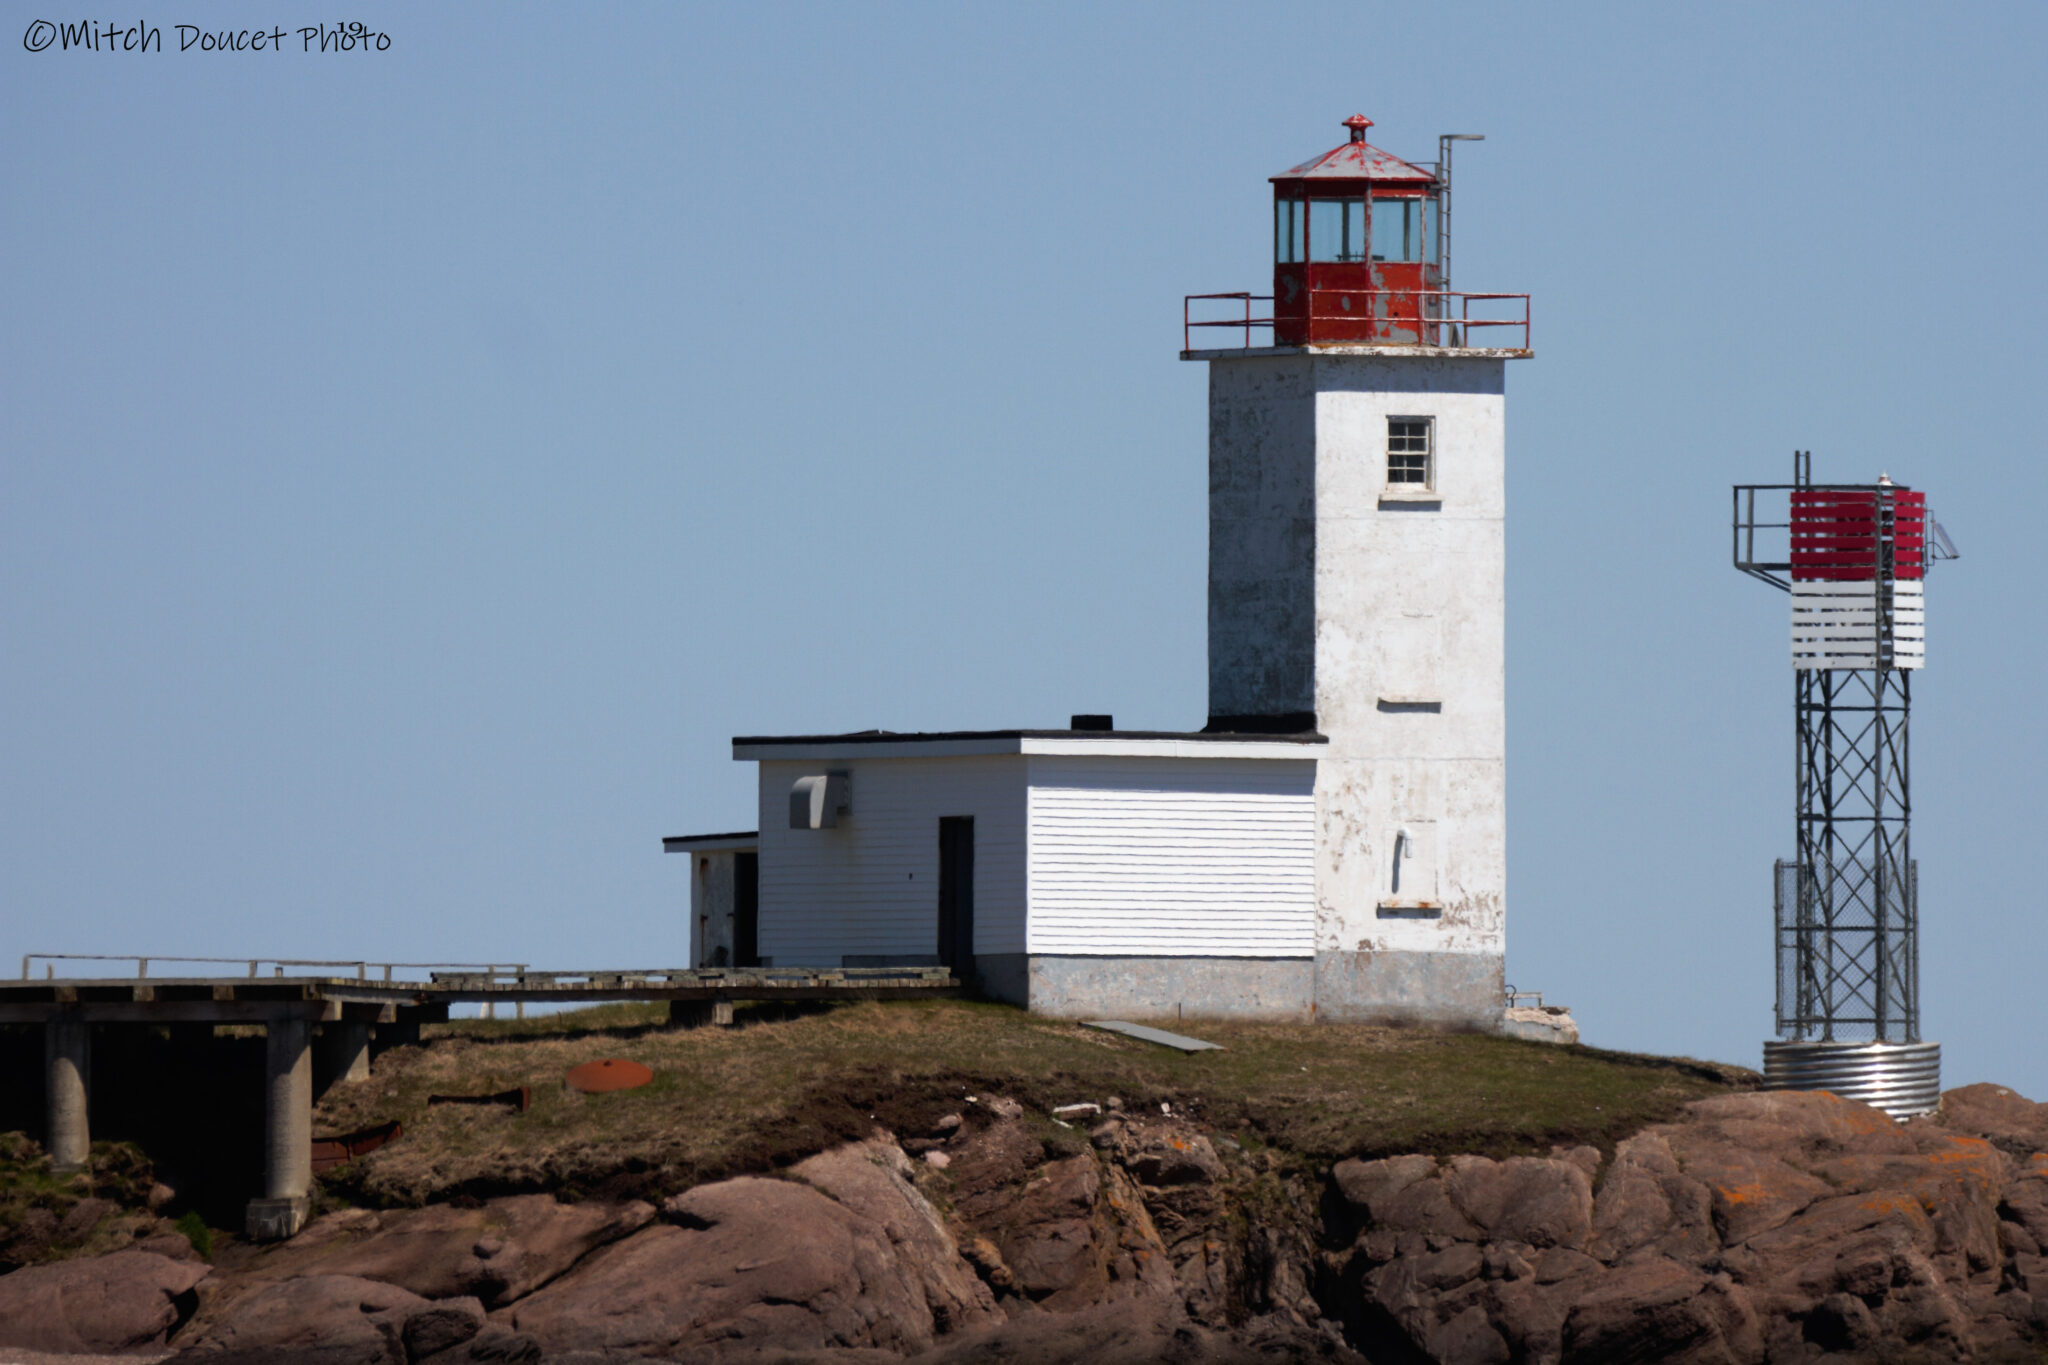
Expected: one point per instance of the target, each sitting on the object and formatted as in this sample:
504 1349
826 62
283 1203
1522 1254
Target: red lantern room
1355 248
1362 257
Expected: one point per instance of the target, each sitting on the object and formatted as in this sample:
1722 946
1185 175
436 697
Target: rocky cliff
1756 1227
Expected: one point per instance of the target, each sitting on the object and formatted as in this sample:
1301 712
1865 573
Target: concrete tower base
1454 990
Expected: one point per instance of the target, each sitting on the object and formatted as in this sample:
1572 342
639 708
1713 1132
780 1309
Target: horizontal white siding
1172 857
1834 625
870 886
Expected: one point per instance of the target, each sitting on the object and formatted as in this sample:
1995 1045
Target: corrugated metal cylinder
1903 1079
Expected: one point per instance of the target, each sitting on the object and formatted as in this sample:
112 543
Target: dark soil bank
1751 1227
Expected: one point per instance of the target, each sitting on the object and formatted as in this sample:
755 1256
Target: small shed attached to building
725 897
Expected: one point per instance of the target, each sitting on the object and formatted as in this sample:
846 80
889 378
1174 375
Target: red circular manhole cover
613 1073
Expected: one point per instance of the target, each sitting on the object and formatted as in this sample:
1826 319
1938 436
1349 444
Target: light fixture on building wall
818 802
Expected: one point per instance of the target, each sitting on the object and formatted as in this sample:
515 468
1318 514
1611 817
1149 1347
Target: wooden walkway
338 1013
235 999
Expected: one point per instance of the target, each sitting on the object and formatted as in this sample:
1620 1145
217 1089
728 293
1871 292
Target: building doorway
956 895
746 910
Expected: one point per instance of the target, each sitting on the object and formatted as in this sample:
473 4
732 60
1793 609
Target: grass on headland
39 1204
783 1084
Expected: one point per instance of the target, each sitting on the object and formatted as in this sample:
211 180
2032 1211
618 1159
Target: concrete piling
287 1111
403 1028
67 1054
287 1131
342 1054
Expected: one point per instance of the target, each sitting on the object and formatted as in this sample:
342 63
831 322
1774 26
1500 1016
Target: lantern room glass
1336 229
1403 229
1290 223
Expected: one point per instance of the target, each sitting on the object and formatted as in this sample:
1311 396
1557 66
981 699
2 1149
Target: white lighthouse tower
1357 571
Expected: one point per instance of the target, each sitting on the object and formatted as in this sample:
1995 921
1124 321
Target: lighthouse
1332 843
1357 570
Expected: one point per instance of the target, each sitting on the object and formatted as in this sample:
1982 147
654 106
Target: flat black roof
939 736
668 839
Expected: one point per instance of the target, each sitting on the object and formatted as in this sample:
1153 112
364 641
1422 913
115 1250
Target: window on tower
1411 457
1336 229
1403 230
1290 224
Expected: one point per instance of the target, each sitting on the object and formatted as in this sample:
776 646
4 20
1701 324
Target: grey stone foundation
1447 990
1168 987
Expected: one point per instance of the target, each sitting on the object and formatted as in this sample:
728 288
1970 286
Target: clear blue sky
415 465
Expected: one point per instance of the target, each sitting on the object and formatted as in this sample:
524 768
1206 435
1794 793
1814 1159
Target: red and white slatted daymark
1855 550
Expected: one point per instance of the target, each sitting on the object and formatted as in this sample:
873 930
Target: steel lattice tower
1847 906
1848 937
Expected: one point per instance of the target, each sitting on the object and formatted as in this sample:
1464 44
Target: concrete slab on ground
1152 1035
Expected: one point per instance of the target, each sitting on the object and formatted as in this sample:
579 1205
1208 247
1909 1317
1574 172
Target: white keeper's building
1332 844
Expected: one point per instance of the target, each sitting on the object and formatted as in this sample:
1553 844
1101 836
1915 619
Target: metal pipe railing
1188 324
484 975
360 967
1430 326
